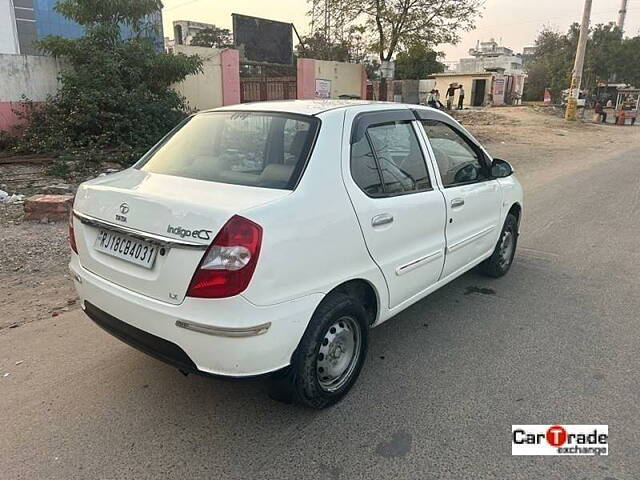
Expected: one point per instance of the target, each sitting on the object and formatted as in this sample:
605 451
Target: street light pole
576 80
622 14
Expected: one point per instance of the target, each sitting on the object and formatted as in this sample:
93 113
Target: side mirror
500 169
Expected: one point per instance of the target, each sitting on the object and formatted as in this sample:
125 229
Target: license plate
126 248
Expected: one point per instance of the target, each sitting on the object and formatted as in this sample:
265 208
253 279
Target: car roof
311 107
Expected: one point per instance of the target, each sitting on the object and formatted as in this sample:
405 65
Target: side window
392 152
364 169
457 161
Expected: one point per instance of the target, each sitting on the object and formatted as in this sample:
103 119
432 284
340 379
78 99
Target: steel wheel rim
506 248
338 354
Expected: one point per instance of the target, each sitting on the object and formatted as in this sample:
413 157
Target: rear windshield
242 148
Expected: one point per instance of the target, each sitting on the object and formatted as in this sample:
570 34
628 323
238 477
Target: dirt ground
33 257
33 269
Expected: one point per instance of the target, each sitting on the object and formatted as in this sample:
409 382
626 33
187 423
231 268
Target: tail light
72 235
228 265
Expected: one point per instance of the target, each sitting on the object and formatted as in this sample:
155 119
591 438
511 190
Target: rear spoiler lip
139 234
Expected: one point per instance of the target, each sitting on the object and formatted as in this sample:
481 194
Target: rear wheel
499 263
331 353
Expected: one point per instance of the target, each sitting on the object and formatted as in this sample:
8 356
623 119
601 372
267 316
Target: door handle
382 219
457 202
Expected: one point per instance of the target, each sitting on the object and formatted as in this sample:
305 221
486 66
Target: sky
514 23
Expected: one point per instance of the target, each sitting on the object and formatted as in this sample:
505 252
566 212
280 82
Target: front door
401 215
473 199
479 91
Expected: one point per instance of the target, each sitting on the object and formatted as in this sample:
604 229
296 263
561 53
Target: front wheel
499 263
331 353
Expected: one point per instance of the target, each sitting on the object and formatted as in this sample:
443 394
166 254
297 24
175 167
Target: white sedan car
268 238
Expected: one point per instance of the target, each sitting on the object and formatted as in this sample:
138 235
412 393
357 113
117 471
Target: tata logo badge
124 209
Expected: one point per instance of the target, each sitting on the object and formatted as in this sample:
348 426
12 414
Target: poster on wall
323 88
498 88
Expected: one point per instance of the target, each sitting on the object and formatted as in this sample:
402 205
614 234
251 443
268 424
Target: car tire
499 263
331 353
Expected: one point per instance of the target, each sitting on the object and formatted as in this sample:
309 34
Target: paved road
554 341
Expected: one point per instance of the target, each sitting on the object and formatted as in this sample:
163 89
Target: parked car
268 238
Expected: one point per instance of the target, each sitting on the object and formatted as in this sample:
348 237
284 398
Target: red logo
556 436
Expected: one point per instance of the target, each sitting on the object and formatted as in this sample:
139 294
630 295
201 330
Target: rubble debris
8 199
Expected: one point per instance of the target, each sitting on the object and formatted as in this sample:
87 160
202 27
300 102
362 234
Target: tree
398 24
115 97
608 57
605 57
417 62
550 67
629 72
372 66
317 46
111 12
213 38
354 48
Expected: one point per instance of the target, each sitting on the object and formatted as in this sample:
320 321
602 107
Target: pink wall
8 117
306 78
363 87
230 60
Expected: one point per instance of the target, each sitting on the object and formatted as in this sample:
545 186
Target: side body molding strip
418 263
455 246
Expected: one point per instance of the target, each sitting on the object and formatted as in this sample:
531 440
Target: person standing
600 111
431 99
451 92
438 102
461 98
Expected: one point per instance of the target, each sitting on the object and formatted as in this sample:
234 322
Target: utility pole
576 80
622 15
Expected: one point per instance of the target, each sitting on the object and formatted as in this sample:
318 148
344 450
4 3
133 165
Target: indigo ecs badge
560 440
183 232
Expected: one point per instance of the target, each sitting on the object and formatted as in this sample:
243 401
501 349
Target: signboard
263 41
498 88
323 88
388 69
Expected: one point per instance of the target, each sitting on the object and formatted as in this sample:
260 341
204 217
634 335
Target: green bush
115 99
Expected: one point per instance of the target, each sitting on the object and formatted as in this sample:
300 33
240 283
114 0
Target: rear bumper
230 338
145 342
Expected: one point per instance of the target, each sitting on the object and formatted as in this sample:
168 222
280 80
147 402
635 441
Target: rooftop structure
489 49
185 30
490 57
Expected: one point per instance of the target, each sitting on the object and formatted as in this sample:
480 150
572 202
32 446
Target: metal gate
258 89
261 82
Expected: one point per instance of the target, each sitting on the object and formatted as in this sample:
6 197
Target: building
491 57
185 30
23 22
477 87
9 39
483 88
528 53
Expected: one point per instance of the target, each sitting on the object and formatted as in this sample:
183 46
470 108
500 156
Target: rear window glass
242 148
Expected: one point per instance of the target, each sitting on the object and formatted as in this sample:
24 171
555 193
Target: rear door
400 213
473 199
